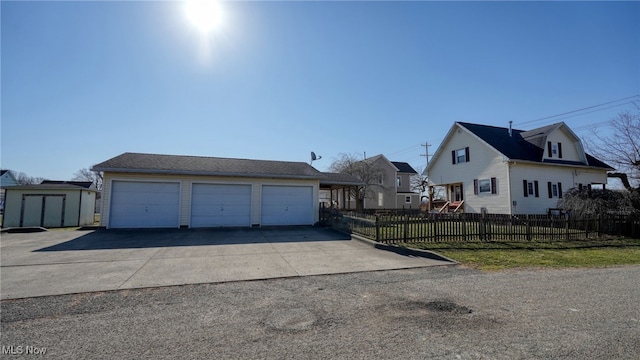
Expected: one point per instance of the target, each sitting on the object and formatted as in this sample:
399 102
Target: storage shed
49 205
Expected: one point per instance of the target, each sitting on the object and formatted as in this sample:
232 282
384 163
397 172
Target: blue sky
85 81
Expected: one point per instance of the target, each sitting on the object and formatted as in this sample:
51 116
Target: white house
508 171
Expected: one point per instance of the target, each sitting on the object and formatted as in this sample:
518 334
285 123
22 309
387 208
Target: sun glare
204 15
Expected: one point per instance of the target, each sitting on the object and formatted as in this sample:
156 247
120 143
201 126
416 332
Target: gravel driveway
443 313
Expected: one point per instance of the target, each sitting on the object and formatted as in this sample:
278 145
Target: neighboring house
152 190
503 170
50 205
6 180
391 185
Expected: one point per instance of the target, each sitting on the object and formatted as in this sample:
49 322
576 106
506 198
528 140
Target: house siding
484 163
569 177
387 189
186 186
571 147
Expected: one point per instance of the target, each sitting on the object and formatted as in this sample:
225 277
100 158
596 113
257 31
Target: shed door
287 205
144 204
214 205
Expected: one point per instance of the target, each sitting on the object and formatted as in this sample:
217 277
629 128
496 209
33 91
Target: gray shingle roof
200 165
339 179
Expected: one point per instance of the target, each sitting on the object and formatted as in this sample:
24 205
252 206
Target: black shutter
453 157
560 150
560 190
475 187
526 188
466 154
549 149
549 189
535 185
494 183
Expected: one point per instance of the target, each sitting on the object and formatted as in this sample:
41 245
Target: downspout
510 187
80 208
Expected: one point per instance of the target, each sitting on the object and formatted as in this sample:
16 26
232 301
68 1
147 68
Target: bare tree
621 149
24 179
419 182
362 169
88 175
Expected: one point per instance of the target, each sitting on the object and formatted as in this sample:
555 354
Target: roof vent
510 131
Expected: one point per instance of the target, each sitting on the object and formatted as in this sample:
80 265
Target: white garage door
144 204
287 205
214 205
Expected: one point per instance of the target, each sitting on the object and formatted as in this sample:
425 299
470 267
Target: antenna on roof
314 157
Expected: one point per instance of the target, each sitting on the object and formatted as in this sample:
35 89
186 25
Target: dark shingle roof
200 165
522 145
404 167
84 184
48 187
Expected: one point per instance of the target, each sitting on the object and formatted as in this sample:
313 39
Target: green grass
553 254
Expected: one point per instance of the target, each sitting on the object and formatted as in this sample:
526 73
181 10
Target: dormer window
554 150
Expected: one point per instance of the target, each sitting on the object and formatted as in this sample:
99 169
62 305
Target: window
380 199
531 188
554 189
407 199
485 186
380 178
554 149
399 181
460 155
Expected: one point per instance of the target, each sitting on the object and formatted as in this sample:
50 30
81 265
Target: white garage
216 205
140 204
171 191
287 205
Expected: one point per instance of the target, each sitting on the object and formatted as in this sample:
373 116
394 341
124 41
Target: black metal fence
410 227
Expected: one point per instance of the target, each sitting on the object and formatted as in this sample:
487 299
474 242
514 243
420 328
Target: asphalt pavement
419 313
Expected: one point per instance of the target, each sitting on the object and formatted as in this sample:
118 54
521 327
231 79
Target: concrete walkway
63 262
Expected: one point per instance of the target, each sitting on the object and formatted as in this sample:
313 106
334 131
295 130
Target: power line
578 110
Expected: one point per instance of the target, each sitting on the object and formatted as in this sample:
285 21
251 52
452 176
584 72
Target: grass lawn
555 254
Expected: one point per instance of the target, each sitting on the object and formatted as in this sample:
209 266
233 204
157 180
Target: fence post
377 227
406 227
566 226
465 221
599 225
526 218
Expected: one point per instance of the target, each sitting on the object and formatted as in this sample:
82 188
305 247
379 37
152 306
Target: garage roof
201 165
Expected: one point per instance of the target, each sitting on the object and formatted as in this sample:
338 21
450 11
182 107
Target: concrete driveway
63 262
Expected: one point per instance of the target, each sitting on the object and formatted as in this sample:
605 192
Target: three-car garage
171 191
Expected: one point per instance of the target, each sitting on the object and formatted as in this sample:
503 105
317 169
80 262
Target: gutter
201 173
